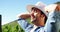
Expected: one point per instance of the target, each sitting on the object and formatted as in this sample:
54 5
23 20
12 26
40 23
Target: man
38 18
52 24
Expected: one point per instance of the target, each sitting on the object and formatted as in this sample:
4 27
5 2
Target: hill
12 27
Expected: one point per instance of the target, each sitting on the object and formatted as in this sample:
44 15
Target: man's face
35 12
37 17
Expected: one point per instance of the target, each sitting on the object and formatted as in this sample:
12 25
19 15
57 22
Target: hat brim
29 7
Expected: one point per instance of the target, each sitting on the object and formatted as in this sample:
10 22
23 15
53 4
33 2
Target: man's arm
24 16
23 23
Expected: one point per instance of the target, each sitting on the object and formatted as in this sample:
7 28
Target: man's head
38 17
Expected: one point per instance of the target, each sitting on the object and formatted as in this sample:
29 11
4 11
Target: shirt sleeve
24 24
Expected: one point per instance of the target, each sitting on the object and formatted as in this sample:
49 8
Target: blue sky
10 8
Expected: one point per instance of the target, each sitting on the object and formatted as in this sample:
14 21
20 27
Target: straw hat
38 5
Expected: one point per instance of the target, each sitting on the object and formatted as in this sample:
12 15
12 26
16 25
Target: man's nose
32 13
35 14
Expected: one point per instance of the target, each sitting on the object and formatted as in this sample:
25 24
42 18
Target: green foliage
57 2
29 20
12 27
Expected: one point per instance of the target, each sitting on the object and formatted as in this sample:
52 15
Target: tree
57 3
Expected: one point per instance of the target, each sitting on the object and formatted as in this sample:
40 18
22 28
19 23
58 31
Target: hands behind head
39 21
